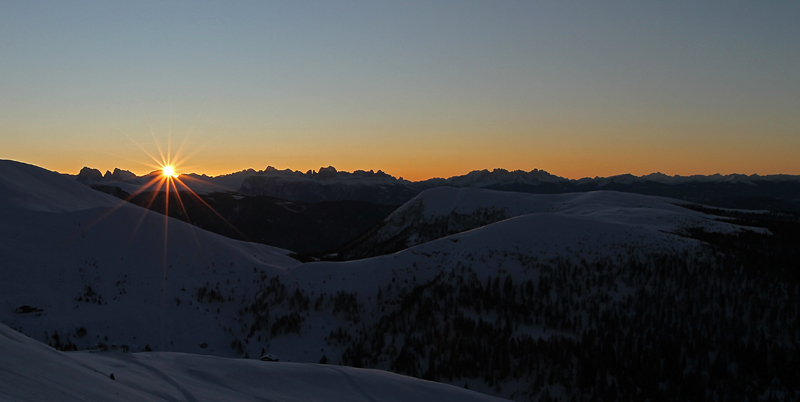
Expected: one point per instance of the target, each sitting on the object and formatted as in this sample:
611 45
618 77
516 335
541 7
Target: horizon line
400 177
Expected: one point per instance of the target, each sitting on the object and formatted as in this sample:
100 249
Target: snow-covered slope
486 307
585 228
443 211
528 303
82 268
24 186
578 226
32 371
105 272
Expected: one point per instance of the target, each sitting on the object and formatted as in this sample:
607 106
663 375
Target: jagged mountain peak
486 178
774 192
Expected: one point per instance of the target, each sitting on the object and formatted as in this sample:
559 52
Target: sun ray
183 142
165 180
142 148
192 227
181 205
183 160
152 133
143 215
202 201
115 208
178 159
155 192
169 137
186 214
144 187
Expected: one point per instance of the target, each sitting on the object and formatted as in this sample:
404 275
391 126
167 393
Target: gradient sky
418 89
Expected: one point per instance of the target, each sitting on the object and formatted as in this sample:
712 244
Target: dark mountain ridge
770 192
303 227
331 211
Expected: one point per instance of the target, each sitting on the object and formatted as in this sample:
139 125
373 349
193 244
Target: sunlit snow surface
31 371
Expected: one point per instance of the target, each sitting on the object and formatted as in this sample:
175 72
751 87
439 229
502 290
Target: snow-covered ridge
115 276
81 259
35 372
444 211
33 188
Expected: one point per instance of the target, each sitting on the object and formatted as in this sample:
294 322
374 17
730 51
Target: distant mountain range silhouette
769 192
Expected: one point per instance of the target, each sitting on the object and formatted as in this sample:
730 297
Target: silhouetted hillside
306 228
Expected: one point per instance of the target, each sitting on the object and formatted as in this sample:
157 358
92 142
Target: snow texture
32 371
84 270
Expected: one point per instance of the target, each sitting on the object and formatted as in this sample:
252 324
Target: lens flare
168 171
164 182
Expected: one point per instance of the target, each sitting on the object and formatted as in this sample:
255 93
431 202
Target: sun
168 171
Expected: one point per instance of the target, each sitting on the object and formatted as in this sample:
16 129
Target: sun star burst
168 171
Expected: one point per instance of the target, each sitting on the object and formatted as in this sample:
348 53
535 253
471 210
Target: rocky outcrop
89 175
328 184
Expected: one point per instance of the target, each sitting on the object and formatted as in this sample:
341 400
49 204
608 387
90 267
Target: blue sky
416 88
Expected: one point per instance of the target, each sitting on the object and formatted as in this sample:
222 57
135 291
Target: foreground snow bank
32 371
